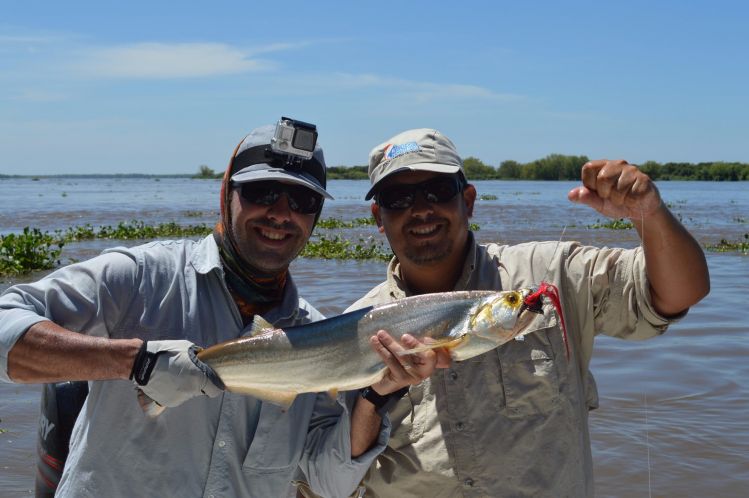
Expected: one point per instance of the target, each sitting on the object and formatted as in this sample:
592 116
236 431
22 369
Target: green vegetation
741 246
348 173
477 170
340 248
563 167
133 230
551 167
332 223
560 167
715 171
206 173
190 213
619 224
36 250
28 251
488 197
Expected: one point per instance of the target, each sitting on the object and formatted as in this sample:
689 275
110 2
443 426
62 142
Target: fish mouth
535 306
532 301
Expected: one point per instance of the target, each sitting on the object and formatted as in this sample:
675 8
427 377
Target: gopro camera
294 138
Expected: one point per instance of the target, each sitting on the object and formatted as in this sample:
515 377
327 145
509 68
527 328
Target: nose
280 211
421 205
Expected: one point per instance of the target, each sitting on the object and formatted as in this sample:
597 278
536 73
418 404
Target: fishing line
647 445
645 394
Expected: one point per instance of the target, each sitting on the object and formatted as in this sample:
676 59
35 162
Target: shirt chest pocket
278 441
529 375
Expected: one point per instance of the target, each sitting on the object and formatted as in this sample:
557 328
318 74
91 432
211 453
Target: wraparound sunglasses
435 190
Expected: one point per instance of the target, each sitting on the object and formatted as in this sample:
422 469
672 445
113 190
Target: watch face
373 397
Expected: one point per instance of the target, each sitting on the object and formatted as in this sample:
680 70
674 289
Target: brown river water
674 413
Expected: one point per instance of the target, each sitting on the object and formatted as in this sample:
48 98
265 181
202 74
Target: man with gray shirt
135 316
514 421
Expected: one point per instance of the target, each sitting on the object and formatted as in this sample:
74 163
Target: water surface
674 410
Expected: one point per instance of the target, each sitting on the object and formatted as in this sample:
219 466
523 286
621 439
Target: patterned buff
253 294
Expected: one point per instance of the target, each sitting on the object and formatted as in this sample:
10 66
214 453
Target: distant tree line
556 167
348 172
561 167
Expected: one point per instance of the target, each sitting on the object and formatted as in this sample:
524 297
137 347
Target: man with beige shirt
514 421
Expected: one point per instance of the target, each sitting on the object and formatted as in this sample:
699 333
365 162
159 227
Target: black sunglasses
301 199
436 191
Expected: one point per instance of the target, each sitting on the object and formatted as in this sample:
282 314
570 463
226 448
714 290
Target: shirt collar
205 256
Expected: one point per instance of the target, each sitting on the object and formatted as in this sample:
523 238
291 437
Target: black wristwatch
382 403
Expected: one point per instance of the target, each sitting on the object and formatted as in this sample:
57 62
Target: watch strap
382 402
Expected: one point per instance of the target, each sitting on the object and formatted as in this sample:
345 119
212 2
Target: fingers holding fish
444 360
402 369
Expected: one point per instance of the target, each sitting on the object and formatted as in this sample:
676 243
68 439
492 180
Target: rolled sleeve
620 293
84 297
326 461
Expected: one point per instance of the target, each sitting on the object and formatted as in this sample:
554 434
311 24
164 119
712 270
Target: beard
425 253
428 254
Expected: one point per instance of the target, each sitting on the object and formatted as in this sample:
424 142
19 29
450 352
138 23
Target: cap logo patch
394 150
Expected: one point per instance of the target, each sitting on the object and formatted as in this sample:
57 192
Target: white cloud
420 91
165 61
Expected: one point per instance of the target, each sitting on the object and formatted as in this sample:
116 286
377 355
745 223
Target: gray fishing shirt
231 445
514 421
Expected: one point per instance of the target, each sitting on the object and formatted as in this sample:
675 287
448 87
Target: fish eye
512 299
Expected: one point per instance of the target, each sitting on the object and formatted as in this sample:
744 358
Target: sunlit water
674 410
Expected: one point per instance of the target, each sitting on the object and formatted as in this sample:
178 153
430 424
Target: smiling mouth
424 230
273 235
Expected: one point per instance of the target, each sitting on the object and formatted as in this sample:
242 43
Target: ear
469 198
376 213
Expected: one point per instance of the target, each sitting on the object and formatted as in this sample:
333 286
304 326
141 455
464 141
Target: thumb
583 195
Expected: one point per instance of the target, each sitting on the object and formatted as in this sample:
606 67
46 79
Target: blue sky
146 87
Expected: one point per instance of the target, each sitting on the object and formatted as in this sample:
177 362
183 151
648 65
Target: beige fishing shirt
514 421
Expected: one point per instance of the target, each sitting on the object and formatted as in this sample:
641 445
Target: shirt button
468 483
454 375
221 444
460 426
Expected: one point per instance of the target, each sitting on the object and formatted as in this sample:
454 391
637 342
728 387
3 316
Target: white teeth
424 230
272 235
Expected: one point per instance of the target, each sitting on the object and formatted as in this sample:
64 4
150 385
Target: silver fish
335 355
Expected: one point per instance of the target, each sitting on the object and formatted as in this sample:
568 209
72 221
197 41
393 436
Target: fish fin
333 393
150 407
438 343
259 326
283 399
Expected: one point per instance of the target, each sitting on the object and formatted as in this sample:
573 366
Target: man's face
268 237
426 233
